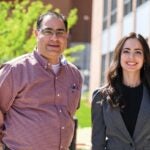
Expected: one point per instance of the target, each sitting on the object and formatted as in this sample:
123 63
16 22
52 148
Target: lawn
83 114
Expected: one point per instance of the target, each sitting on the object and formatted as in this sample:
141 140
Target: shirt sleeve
98 125
6 93
6 88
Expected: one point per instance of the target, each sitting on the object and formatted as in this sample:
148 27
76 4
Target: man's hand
1 118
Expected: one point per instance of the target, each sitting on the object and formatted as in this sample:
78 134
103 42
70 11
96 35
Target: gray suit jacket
109 131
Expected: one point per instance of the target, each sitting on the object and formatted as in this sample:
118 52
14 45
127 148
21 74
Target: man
40 92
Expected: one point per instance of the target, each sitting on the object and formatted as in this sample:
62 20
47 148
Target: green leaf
18 19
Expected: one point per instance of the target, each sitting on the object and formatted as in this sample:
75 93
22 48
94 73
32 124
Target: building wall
81 32
96 45
64 5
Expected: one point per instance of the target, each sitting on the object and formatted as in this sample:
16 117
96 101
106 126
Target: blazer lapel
144 113
119 122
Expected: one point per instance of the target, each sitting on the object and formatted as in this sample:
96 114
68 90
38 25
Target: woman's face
132 56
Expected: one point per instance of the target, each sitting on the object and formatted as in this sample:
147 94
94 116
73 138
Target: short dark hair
54 14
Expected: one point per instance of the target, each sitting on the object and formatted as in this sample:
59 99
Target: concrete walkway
83 139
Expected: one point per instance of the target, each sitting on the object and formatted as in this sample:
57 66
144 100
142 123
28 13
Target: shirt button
60 110
62 128
58 95
61 147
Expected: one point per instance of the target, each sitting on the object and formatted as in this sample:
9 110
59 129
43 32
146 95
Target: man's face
51 38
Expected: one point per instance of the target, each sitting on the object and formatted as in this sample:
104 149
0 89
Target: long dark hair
114 75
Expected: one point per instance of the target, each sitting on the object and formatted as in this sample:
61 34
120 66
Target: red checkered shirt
38 106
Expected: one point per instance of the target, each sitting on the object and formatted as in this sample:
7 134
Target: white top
56 68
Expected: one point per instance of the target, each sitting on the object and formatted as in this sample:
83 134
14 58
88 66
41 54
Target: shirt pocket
73 101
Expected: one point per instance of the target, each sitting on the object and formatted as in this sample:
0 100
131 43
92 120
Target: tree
17 23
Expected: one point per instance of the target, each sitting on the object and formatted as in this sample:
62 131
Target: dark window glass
127 6
110 57
113 17
104 24
113 11
103 69
140 2
105 14
113 4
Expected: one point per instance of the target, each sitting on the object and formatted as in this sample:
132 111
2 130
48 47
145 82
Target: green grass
83 114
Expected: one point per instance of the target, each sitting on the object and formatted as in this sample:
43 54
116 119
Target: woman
121 109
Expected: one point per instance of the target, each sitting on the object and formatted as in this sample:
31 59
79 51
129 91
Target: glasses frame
59 33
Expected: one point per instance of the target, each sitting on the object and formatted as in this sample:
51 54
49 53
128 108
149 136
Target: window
105 14
140 2
105 8
103 69
103 66
113 11
127 6
111 56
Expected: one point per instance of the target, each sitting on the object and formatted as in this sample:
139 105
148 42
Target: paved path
83 138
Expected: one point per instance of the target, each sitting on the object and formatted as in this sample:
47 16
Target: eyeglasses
50 32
